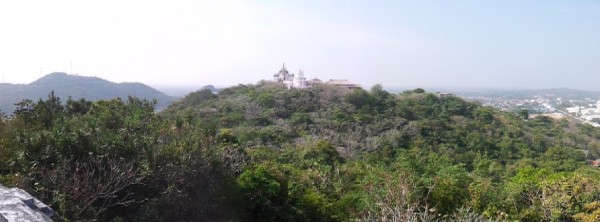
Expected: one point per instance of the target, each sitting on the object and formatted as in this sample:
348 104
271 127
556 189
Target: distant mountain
90 88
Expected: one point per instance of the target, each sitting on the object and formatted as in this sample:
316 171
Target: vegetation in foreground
265 153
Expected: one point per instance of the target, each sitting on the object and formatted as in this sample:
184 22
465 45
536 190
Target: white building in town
573 110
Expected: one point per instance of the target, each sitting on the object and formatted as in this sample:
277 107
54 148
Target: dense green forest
265 153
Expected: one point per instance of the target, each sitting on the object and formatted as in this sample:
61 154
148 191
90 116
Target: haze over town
472 44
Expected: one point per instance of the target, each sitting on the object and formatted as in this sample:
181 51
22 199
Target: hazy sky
498 44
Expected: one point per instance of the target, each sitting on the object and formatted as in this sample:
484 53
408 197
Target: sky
502 44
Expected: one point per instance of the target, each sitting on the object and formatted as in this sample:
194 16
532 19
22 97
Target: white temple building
298 81
291 80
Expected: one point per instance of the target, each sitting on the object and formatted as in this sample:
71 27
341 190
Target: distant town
559 103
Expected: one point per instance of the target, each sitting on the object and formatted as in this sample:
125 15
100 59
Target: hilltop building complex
290 79
298 81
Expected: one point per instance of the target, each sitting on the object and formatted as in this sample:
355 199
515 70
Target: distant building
289 79
574 110
444 95
314 81
298 81
342 83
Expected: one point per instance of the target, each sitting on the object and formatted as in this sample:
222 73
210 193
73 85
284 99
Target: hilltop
90 88
358 120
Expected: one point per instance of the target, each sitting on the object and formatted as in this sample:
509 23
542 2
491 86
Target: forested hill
455 145
365 121
64 85
266 153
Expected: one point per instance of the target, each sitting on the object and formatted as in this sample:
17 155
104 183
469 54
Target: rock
16 205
